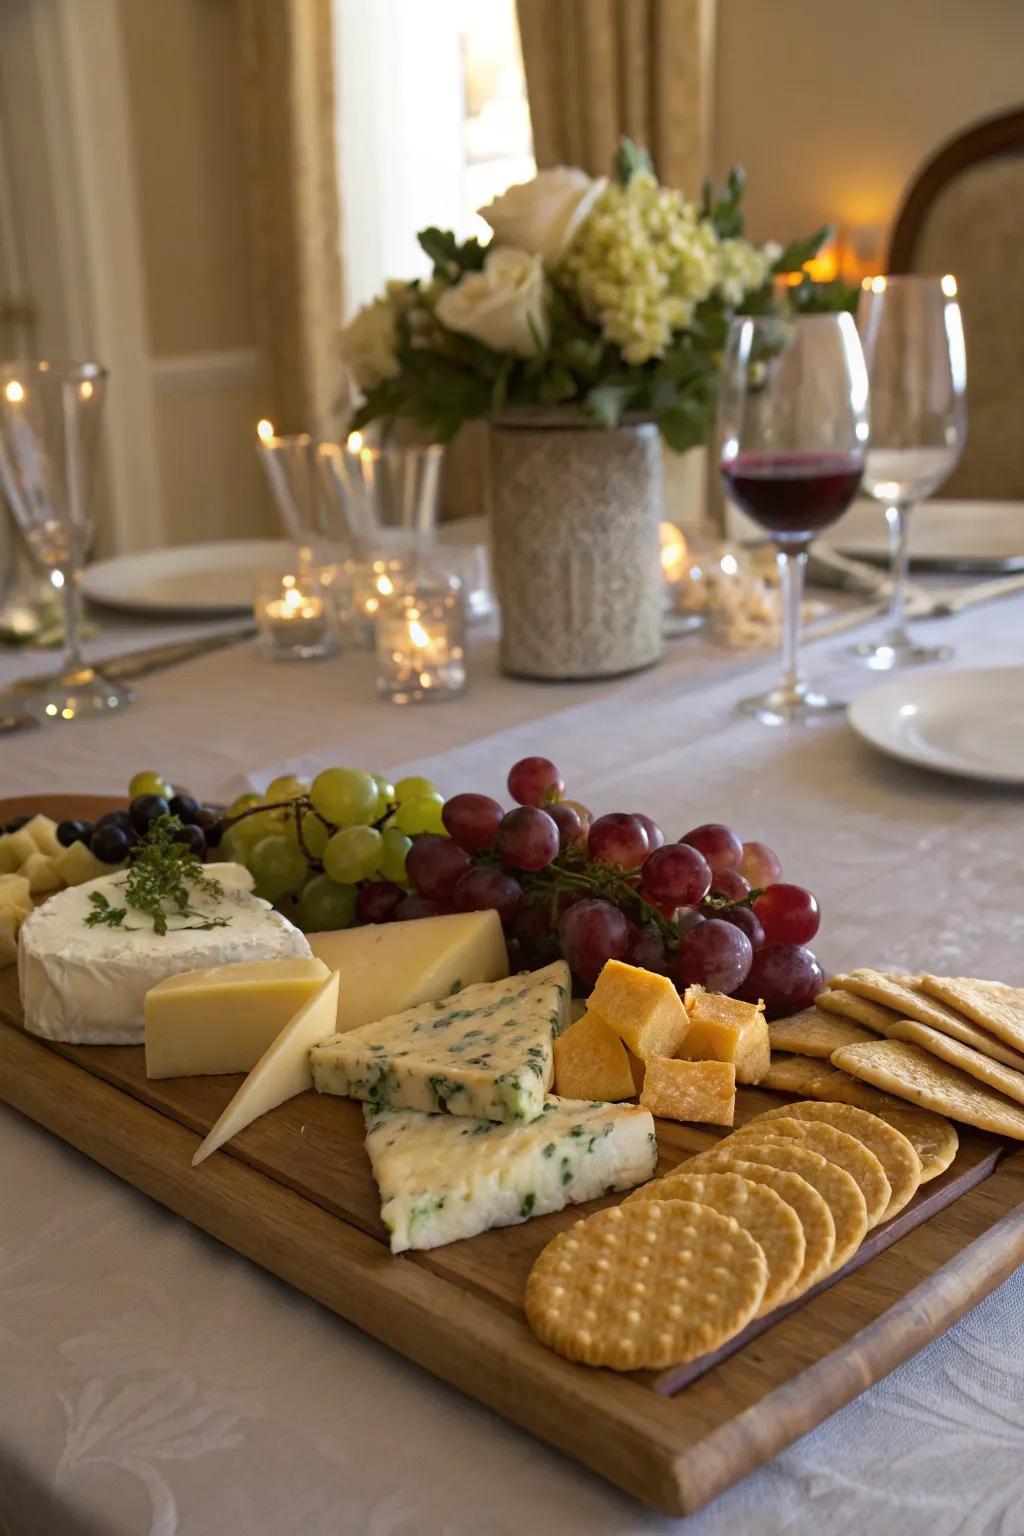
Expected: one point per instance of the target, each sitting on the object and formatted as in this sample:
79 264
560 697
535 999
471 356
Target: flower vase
574 524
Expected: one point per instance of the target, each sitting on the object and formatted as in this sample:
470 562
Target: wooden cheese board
295 1194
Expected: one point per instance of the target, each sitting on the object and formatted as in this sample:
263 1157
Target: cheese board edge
639 1439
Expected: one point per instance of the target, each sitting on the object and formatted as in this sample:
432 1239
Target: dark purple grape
378 901
472 821
569 823
647 950
746 920
193 838
434 866
676 876
655 836
535 780
536 936
145 809
415 905
788 914
185 807
527 838
716 955
212 822
618 839
487 886
719 845
786 976
16 823
591 933
115 819
110 844
730 884
69 832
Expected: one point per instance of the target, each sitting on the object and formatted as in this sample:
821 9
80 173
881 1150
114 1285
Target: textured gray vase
577 562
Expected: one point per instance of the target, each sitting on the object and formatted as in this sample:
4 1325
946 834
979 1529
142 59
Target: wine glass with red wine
793 434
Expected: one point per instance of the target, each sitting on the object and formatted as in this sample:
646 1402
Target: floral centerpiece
598 303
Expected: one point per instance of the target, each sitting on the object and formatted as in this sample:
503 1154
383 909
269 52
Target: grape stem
302 806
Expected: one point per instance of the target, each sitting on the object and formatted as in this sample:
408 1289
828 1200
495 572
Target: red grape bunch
708 909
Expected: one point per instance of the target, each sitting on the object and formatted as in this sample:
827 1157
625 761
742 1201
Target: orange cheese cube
690 1090
591 1062
644 1009
724 1029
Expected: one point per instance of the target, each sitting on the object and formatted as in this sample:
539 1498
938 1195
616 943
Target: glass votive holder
296 619
421 642
356 589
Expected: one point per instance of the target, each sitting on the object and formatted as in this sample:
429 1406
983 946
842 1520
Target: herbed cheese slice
388 967
485 1052
281 1072
442 1177
88 985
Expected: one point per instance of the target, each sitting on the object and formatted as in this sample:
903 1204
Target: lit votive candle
296 619
421 643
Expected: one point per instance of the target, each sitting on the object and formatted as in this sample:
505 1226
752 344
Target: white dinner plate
968 722
190 580
975 537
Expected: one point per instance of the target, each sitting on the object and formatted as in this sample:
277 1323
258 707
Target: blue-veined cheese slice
442 1177
484 1052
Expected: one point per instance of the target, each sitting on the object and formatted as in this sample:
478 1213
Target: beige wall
832 106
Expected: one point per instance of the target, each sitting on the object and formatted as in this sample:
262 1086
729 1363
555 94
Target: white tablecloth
153 1382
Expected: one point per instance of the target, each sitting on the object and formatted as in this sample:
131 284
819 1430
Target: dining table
155 1383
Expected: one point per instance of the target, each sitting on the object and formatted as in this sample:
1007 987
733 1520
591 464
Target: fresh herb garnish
161 883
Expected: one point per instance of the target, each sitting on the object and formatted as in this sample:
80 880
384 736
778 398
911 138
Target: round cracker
811 1208
774 1225
933 1137
645 1285
835 1145
894 1151
837 1188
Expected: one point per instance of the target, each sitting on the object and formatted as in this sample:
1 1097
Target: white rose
368 344
544 215
503 306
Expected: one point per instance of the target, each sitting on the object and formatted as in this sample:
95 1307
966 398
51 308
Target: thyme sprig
161 883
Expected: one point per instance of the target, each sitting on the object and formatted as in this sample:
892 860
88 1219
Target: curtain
288 80
599 69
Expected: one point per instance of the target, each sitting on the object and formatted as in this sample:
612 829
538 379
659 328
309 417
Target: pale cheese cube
40 872
14 892
77 864
442 1177
11 919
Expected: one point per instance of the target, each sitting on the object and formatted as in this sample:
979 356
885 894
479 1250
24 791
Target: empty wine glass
49 432
793 431
913 339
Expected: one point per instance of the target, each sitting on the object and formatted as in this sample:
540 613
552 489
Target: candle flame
85 390
949 286
385 586
293 598
418 635
354 442
14 392
265 430
673 552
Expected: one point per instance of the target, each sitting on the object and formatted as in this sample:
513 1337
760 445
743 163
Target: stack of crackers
751 1224
950 1045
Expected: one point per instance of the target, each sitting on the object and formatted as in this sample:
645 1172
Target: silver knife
154 658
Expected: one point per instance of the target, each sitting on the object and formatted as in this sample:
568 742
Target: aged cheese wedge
222 1019
725 1029
88 985
486 1052
591 1062
389 967
702 1091
443 1177
281 1072
644 1009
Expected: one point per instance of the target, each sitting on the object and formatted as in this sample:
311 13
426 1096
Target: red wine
794 494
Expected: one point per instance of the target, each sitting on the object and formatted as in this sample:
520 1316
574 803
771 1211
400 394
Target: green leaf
556 384
606 402
798 252
630 159
449 257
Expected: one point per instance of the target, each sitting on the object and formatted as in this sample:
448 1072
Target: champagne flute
49 430
913 339
793 433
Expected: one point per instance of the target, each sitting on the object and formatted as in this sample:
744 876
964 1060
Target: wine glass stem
72 600
791 564
898 519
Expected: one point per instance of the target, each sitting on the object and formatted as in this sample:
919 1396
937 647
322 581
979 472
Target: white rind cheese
442 1178
485 1052
88 985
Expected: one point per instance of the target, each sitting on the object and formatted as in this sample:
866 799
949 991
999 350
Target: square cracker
850 1005
813 1033
799 1074
909 1072
905 995
983 1068
997 1008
